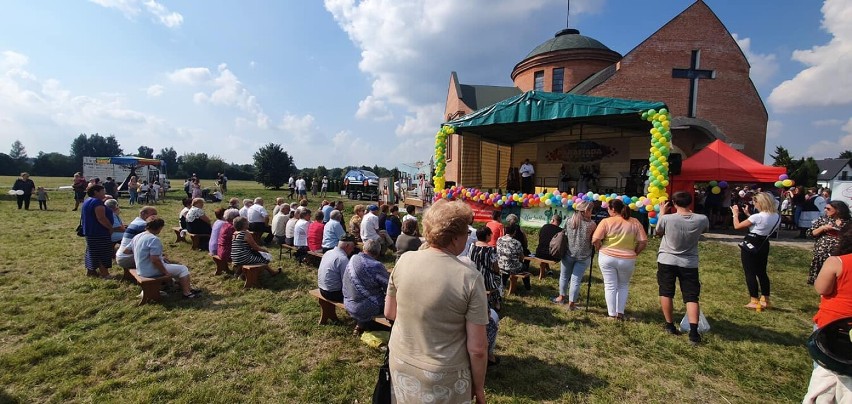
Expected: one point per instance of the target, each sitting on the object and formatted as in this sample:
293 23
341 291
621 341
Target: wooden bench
328 312
314 257
251 273
413 201
199 240
150 286
543 265
513 281
290 250
221 265
178 237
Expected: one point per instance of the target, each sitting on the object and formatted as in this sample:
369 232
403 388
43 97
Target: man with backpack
545 236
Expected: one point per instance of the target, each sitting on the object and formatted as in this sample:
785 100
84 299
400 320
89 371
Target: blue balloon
652 220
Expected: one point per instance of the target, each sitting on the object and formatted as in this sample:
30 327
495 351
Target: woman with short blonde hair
439 340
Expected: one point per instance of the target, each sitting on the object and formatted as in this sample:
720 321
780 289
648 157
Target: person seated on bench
315 230
279 224
331 269
117 225
244 250
246 206
226 234
290 227
150 262
333 231
216 229
545 235
408 240
197 222
364 284
300 234
187 203
510 255
125 258
259 220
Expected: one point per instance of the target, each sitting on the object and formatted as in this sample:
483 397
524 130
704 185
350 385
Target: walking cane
589 288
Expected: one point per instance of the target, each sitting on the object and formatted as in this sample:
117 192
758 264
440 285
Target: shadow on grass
533 379
6 398
749 332
727 330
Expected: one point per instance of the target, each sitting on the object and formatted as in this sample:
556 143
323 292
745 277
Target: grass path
65 337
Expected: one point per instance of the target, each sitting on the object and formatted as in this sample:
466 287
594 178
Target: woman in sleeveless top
244 251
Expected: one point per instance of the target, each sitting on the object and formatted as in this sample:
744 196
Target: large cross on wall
693 73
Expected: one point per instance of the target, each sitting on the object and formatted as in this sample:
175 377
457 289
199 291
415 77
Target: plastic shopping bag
703 325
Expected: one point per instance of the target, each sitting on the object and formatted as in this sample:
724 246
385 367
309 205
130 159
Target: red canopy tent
721 162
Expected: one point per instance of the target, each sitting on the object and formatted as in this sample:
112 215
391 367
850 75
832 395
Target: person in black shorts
677 260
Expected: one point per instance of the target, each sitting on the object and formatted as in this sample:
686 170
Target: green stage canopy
536 113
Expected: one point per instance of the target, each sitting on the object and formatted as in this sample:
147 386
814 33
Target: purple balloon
783 177
723 184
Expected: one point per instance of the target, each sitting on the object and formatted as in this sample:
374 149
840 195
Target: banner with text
481 213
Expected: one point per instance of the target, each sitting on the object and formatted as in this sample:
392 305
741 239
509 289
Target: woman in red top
834 283
315 232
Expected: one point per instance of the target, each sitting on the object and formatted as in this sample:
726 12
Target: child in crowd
41 194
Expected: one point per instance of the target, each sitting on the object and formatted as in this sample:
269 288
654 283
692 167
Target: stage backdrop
537 217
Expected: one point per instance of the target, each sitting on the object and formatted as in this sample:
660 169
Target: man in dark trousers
678 260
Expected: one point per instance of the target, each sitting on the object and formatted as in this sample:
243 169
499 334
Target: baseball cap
372 208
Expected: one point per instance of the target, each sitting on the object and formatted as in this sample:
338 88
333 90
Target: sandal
277 273
191 296
195 291
553 300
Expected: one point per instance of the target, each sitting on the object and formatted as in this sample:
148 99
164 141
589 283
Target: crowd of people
470 267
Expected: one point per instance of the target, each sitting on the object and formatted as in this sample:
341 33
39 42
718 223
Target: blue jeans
133 194
575 269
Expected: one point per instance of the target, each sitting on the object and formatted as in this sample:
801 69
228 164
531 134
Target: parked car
360 184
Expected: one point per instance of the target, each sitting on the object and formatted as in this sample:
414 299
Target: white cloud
132 8
426 120
763 66
827 122
190 75
830 149
301 128
155 90
827 79
373 108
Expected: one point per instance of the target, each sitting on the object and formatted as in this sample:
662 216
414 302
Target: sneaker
694 338
671 329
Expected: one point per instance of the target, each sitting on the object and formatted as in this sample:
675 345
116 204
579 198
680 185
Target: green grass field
66 337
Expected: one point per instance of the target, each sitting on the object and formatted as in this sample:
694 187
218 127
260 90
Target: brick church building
692 64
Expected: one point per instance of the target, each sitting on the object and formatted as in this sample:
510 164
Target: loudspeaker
675 162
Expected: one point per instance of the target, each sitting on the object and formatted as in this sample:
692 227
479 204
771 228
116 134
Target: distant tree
273 166
170 157
847 154
782 157
145 152
8 165
215 165
93 146
322 171
18 152
19 155
336 174
53 165
308 174
240 172
806 172
193 163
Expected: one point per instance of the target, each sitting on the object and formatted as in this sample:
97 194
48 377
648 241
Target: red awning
721 162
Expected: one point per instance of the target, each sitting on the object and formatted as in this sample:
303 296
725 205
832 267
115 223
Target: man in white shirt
291 183
370 229
300 234
527 171
290 228
258 219
246 205
324 186
279 224
302 188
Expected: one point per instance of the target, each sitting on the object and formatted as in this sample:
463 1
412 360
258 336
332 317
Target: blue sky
340 82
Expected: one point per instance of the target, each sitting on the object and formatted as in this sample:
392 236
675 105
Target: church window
558 79
539 80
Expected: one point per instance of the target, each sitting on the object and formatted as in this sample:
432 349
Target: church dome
567 39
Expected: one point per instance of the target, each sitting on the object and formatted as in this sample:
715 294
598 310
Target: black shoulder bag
753 242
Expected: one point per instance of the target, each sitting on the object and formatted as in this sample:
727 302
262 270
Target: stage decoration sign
481 213
538 217
582 151
661 145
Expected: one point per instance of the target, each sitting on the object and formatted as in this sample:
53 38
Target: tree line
271 162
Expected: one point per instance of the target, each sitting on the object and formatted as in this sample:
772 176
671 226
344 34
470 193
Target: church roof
476 97
567 39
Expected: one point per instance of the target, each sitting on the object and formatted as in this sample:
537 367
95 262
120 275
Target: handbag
753 242
80 228
382 391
